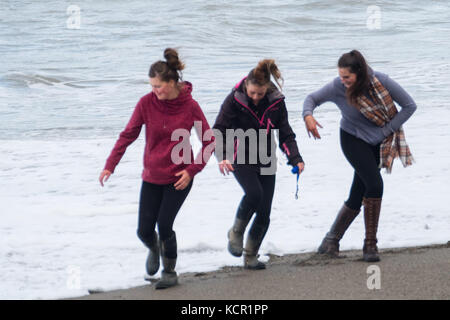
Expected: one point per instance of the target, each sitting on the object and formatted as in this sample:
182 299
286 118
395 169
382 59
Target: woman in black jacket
252 110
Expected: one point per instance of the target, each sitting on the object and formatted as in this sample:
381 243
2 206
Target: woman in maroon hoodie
166 181
254 107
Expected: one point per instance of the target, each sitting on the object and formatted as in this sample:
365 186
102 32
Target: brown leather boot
330 244
372 207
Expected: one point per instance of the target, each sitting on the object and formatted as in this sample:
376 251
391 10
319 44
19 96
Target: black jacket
239 112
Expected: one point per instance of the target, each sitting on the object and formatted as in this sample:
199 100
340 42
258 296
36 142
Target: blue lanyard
295 171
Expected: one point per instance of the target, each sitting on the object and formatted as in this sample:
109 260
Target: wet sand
403 273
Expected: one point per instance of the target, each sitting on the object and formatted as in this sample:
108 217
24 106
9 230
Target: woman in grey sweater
371 137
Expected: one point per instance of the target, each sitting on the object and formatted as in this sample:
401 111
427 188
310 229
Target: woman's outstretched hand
225 167
311 127
184 181
104 176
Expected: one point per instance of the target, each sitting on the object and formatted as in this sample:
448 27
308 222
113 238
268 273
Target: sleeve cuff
193 170
306 113
295 160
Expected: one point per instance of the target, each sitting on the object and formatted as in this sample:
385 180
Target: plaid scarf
380 109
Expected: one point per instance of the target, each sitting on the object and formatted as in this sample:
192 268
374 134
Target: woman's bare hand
104 176
311 127
184 181
225 167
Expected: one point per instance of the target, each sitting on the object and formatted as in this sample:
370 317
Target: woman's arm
404 100
202 127
313 100
317 98
126 137
225 120
287 140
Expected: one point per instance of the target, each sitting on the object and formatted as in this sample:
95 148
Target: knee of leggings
169 246
354 204
164 232
145 236
254 198
262 219
375 190
259 228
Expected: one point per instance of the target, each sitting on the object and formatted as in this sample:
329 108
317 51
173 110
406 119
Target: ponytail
169 69
261 74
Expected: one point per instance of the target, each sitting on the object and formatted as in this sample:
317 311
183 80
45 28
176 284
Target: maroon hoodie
161 118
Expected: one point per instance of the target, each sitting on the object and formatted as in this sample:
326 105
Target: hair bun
172 59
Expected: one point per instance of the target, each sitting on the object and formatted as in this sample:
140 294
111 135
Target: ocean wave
24 80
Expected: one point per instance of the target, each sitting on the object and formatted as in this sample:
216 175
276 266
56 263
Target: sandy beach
403 273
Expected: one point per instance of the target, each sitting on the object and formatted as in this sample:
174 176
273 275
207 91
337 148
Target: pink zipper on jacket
269 124
251 111
261 121
270 107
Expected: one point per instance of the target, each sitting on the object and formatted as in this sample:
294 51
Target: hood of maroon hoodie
174 106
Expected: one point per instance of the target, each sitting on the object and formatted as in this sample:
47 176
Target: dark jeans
365 159
259 190
159 204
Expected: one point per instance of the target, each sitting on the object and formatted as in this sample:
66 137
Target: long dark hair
261 74
169 69
356 63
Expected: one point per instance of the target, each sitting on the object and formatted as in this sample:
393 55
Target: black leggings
365 159
258 195
159 204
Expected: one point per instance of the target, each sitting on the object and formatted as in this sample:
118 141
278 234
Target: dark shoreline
420 272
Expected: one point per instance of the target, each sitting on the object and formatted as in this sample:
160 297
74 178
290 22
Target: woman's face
163 90
347 78
255 92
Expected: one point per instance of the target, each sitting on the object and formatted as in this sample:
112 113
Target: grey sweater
353 121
